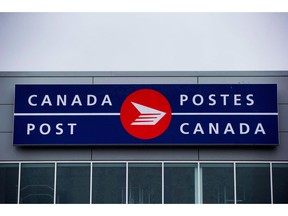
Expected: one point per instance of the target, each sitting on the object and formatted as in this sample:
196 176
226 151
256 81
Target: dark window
253 183
280 183
109 183
73 183
37 183
179 183
145 182
8 183
217 183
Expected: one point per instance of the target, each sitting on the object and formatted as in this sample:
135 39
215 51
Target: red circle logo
145 114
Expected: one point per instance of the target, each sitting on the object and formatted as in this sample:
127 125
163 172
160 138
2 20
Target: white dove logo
148 116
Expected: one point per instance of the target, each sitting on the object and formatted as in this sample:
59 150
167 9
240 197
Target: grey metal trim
144 73
55 182
163 192
235 183
19 182
127 183
199 185
91 183
271 183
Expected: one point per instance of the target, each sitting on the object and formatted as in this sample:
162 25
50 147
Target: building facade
143 174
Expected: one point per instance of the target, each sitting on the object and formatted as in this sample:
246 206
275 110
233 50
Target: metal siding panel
283 117
282 83
247 152
9 152
145 80
145 153
6 118
7 85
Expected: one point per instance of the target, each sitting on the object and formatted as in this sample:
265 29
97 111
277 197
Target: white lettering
91 100
61 100
229 129
259 129
237 99
76 100
198 128
106 100
46 100
30 127
224 96
48 129
59 129
214 128
250 99
244 126
183 98
72 127
30 100
182 128
65 100
200 97
212 100
45 128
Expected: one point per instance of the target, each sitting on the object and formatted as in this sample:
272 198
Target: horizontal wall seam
145 74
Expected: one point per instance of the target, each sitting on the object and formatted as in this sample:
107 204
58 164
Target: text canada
216 128
64 100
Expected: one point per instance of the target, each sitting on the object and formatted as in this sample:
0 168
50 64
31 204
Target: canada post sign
146 114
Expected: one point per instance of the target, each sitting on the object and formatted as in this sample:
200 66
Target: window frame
198 200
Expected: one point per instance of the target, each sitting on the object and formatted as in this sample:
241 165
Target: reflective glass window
73 183
145 183
217 183
280 183
8 183
180 182
37 183
109 183
253 183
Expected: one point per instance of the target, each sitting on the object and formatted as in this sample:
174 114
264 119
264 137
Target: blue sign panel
146 114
